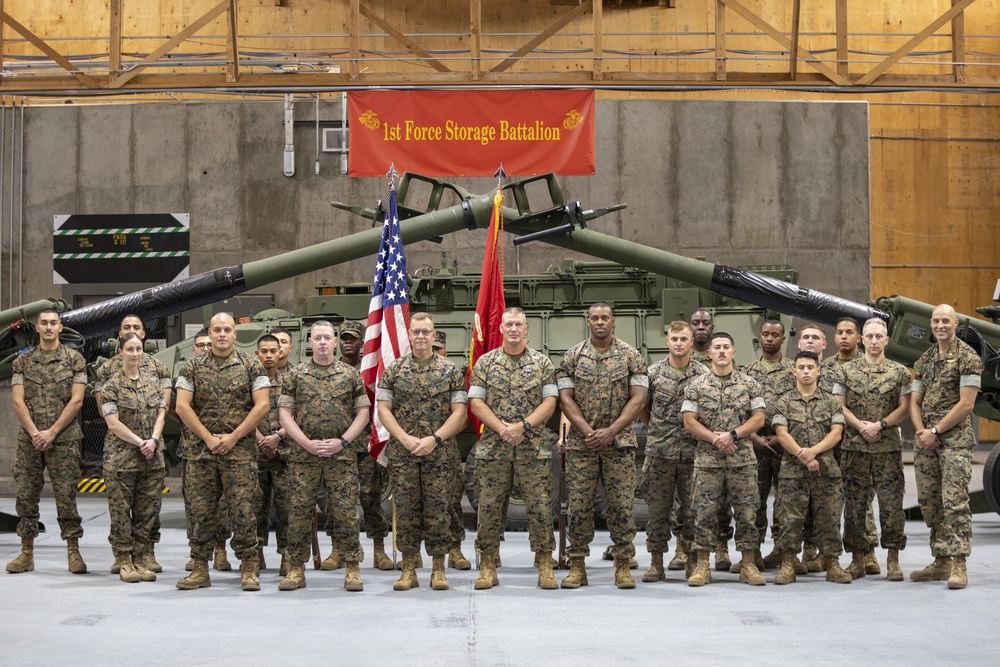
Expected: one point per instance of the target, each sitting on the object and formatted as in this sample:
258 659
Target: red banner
470 132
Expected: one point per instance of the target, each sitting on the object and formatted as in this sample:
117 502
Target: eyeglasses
422 332
202 346
512 325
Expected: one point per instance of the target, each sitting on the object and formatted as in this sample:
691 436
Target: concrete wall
736 182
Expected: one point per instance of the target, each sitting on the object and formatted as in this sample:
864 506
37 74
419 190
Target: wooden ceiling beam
40 44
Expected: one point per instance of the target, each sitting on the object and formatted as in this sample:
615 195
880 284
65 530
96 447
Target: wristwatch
526 424
345 442
437 438
935 431
732 434
883 423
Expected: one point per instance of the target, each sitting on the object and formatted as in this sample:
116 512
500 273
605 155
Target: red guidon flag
386 338
486 334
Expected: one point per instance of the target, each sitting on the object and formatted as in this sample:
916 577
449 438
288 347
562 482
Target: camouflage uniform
48 384
873 391
270 481
222 397
725 508
809 419
943 474
775 378
513 388
458 487
669 463
324 401
135 483
723 405
601 384
422 392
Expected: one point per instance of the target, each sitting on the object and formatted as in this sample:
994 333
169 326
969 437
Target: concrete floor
51 616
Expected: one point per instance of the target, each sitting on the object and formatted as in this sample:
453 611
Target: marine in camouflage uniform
513 392
875 394
456 558
48 385
422 403
221 397
947 378
270 465
721 409
809 422
602 391
323 408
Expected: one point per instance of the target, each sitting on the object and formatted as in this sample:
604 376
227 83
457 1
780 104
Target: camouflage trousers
223 525
822 498
768 465
663 481
709 490
725 515
866 475
371 478
457 489
339 477
63 462
205 482
421 488
494 481
134 500
943 476
273 493
615 468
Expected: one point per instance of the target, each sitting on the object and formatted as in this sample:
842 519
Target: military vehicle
649 288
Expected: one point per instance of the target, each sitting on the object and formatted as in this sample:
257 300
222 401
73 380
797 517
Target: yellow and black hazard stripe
97 485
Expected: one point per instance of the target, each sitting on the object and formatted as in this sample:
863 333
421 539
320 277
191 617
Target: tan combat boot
418 562
787 573
871 563
222 563
758 560
438 581
690 565
811 558
295 579
487 573
655 571
408 579
189 566
332 562
834 572
939 570
722 560
149 559
126 570
546 576
623 578
116 567
352 577
381 560
145 574
749 574
577 573
249 580
680 559
773 559
538 561
959 577
857 567
702 574
73 557
25 561
198 577
456 559
892 570
800 567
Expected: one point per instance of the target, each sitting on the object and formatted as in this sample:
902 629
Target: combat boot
487 573
655 571
959 577
939 570
126 570
331 562
722 560
381 559
73 557
871 563
811 559
892 570
680 559
295 579
834 572
248 574
702 574
758 560
623 578
749 574
800 567
198 577
352 577
145 574
456 559
222 563
577 573
418 562
773 559
689 566
538 560
787 573
148 560
438 581
546 577
25 561
189 566
857 567
408 579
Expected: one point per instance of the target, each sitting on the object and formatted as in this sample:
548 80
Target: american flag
388 318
